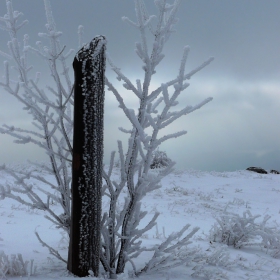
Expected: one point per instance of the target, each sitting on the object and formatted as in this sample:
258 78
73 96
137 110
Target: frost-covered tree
51 109
154 114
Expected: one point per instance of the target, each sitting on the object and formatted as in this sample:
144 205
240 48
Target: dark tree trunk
84 247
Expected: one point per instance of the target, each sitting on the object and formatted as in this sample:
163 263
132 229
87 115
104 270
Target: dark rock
274 171
257 169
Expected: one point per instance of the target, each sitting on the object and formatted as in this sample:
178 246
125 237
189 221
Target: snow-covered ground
186 197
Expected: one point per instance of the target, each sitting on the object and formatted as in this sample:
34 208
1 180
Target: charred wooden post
84 247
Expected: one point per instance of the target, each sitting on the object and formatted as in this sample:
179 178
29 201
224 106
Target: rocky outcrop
262 171
257 169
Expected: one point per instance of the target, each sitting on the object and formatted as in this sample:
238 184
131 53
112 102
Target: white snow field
186 197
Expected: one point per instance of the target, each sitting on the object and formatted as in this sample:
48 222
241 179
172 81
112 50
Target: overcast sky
239 128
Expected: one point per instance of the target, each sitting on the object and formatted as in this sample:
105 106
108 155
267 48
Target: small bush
14 266
233 229
239 231
160 159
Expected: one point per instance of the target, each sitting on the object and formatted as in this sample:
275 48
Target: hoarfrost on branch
144 139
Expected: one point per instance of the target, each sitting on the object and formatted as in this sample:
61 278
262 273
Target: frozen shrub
232 229
160 159
14 266
240 231
270 240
